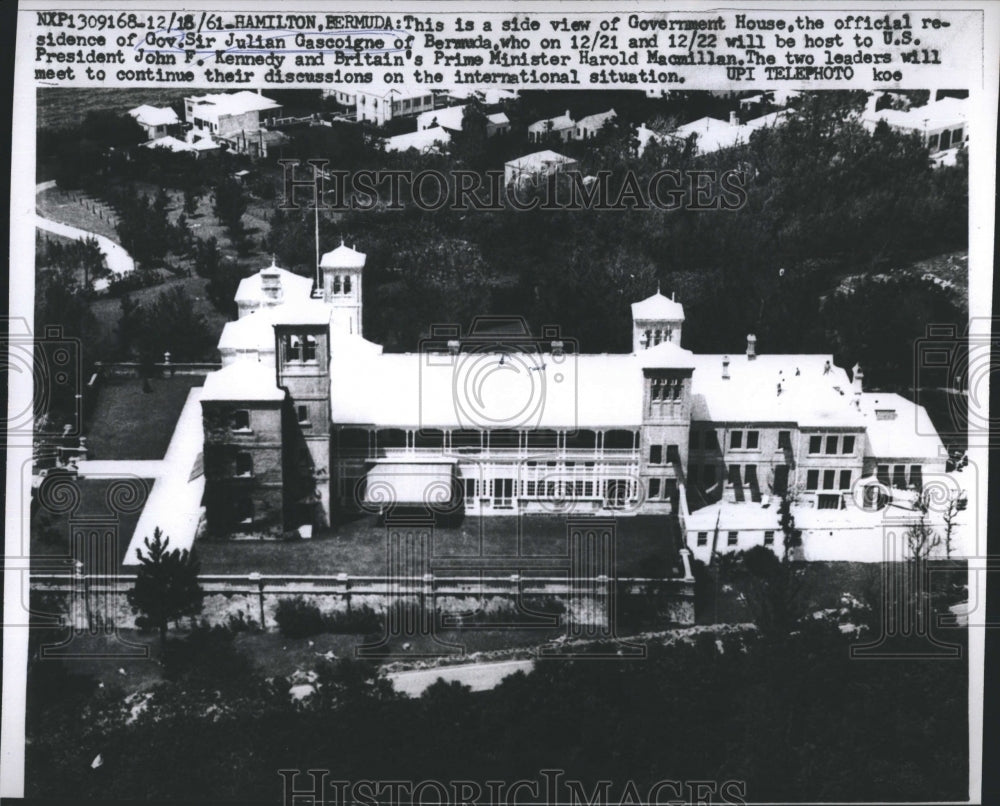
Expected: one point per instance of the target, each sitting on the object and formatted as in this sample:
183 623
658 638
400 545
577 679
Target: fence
102 598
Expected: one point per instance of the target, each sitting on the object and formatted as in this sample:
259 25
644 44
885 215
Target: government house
308 422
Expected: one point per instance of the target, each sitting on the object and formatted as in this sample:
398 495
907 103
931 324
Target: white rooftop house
269 287
426 141
223 115
380 105
533 168
156 121
452 119
562 126
588 127
943 125
713 134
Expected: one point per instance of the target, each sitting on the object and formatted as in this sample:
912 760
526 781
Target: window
656 454
845 479
769 537
243 511
750 475
831 444
470 489
309 349
654 488
336 284
736 440
244 464
899 477
882 474
302 413
848 445
812 480
656 389
753 440
932 142
815 444
917 476
828 501
673 454
732 538
240 420
734 475
829 479
695 440
465 440
702 538
780 479
347 284
503 493
711 440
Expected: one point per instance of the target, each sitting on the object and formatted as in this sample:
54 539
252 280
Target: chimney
751 347
734 118
859 379
725 367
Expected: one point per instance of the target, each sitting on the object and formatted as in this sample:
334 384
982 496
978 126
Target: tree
230 205
955 505
922 538
770 586
791 538
166 587
190 201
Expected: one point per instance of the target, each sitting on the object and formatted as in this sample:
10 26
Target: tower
655 320
302 352
342 269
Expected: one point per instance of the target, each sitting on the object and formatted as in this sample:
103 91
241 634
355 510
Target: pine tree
166 587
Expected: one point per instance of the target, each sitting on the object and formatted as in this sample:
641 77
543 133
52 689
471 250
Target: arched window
347 284
336 284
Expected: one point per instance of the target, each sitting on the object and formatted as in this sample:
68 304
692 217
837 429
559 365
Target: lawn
77 209
128 423
643 547
117 503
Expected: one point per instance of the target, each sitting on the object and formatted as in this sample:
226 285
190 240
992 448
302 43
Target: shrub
297 619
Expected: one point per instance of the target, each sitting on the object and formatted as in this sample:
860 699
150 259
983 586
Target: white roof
170 143
598 119
420 390
911 434
255 332
154 115
423 140
449 118
292 285
489 96
235 103
343 257
714 134
667 355
657 307
945 113
646 134
401 90
498 118
243 380
755 517
813 398
559 122
539 159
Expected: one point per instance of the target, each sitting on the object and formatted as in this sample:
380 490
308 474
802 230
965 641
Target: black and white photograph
567 404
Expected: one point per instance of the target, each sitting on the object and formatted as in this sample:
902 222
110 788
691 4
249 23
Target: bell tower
342 270
655 320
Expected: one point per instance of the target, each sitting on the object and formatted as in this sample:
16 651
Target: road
477 676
